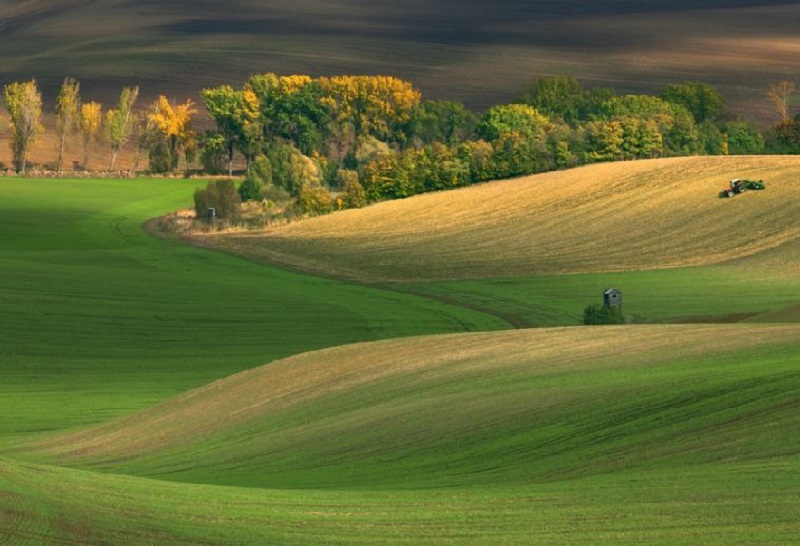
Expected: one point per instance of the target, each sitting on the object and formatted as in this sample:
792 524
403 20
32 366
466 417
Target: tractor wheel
730 193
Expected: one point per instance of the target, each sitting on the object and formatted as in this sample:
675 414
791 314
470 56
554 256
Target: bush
314 201
353 194
602 314
258 179
161 158
221 195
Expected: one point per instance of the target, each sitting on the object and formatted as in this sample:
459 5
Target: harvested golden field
607 217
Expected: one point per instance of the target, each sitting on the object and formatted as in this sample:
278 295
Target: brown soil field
478 53
606 217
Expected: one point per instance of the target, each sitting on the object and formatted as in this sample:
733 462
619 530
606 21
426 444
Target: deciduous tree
236 114
119 122
375 105
68 105
91 120
781 95
24 106
173 123
701 100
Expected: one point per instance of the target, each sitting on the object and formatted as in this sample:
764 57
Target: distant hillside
478 52
605 217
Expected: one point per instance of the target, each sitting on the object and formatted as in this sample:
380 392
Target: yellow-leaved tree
369 105
91 120
68 105
173 123
24 106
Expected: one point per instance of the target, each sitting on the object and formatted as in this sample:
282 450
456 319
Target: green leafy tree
676 125
24 106
478 156
119 122
518 118
702 101
291 109
258 179
440 121
68 104
561 97
213 152
604 140
743 138
291 170
236 114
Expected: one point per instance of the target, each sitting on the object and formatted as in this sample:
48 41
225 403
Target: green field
656 434
89 303
156 393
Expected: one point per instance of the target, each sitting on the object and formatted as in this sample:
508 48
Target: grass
657 434
134 408
514 408
89 303
715 504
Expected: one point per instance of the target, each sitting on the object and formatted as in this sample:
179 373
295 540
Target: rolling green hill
658 434
136 406
91 304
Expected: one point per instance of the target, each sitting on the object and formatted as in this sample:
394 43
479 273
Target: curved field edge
98 319
622 216
495 409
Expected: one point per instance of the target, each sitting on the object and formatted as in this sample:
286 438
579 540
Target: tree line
369 138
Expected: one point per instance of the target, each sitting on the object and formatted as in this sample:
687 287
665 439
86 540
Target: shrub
161 158
353 194
221 195
314 201
601 314
258 179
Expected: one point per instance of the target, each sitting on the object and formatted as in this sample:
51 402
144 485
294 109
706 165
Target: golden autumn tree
173 123
89 124
24 106
374 105
68 105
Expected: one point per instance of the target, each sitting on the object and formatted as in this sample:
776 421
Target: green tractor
739 185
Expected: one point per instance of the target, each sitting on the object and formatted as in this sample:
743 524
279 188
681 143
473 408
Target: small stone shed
612 298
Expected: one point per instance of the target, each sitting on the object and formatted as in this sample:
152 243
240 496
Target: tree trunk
113 158
60 157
